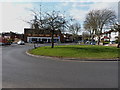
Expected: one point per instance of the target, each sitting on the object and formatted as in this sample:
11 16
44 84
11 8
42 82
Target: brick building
33 35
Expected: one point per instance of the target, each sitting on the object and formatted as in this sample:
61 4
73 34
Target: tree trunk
109 36
98 40
92 38
83 40
118 46
52 39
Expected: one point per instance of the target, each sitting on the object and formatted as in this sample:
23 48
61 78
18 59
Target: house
71 38
11 37
111 35
108 36
5 40
68 38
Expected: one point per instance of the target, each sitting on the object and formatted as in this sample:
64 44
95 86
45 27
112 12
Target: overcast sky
13 14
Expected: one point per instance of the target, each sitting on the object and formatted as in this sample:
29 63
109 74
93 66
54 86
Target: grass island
78 51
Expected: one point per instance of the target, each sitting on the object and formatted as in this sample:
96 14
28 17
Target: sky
14 14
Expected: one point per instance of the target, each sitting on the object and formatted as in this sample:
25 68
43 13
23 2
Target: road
22 71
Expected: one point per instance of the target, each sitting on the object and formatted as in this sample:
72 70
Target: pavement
20 70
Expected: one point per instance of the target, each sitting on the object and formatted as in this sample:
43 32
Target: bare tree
54 21
85 36
90 27
75 28
97 19
38 22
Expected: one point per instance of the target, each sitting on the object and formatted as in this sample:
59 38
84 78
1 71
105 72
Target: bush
116 41
106 42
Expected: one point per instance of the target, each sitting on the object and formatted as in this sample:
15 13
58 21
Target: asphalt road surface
22 71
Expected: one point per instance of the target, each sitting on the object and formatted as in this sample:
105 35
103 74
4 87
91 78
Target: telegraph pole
40 14
118 24
119 12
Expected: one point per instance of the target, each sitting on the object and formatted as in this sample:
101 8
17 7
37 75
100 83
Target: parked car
2 44
21 42
93 43
90 42
87 42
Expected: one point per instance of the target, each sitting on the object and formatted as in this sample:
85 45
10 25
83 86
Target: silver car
21 42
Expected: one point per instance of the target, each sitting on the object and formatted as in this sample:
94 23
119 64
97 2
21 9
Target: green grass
78 51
